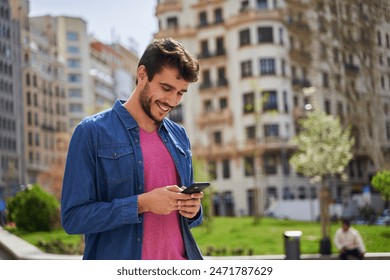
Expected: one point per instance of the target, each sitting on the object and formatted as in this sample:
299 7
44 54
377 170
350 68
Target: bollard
292 244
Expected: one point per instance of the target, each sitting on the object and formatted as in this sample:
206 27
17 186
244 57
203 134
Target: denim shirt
104 175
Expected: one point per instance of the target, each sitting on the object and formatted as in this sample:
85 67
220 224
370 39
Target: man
125 165
349 242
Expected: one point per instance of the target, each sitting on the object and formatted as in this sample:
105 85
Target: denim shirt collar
127 119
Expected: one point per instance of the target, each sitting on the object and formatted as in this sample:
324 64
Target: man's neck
133 106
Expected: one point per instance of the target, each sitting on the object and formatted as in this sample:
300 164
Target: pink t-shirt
162 238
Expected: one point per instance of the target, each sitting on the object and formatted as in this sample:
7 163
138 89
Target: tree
381 182
324 149
33 209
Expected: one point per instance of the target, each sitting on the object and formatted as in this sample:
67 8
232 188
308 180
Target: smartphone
196 187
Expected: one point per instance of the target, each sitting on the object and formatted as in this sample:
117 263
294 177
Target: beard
146 104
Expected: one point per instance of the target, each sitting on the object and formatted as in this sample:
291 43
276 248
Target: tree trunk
325 245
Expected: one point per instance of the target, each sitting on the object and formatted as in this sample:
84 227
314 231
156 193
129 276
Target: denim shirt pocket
116 163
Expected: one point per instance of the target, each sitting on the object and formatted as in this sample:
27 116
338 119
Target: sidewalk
15 248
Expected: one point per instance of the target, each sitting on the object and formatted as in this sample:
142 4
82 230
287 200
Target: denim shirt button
114 155
139 239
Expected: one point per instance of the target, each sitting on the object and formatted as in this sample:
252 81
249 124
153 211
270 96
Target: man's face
161 95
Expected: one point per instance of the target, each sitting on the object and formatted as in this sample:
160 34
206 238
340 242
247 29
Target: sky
129 21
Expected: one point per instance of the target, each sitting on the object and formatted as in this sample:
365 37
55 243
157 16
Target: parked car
384 219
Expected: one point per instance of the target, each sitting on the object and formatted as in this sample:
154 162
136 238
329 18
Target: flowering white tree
324 149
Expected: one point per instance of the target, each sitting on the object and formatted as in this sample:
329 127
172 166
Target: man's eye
166 88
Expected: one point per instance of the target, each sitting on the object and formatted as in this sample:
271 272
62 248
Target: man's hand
163 201
191 206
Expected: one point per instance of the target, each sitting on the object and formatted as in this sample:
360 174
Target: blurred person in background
349 242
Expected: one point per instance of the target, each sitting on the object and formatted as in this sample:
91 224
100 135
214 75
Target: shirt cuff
129 210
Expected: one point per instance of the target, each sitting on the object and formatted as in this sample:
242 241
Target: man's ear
141 73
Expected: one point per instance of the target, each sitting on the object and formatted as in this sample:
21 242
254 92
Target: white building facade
258 69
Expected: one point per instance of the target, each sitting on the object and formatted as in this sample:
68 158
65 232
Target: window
220 46
379 35
172 23
30 139
249 102
388 131
249 166
327 106
208 106
262 4
287 194
29 118
267 66
336 56
72 36
226 169
75 92
218 15
325 80
244 5
270 164
206 79
74 63
212 170
176 114
281 36
222 81
271 130
265 35
75 108
270 100
301 193
217 137
202 19
223 103
245 37
204 46
74 78
250 132
246 69
73 49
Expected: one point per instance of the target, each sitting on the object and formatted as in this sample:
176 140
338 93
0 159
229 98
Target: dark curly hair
167 52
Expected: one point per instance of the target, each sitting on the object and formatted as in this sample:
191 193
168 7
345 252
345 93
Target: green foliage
33 210
381 182
324 148
201 175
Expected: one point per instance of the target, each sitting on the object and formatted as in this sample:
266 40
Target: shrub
33 210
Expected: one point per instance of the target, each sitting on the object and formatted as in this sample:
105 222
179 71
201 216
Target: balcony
300 56
214 118
300 83
296 4
168 6
299 28
177 32
214 151
247 15
208 55
207 85
351 69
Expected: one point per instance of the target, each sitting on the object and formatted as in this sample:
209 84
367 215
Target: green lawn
235 236
241 234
